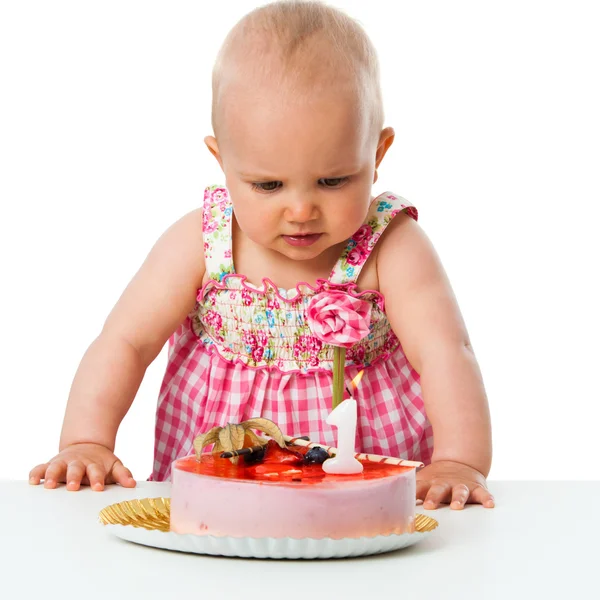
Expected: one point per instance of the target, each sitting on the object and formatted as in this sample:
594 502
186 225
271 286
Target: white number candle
343 417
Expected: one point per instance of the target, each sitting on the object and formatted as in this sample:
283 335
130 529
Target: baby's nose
301 208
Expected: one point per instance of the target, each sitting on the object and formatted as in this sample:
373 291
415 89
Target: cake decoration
233 437
316 456
374 458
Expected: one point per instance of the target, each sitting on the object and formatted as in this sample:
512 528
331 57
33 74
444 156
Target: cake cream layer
315 505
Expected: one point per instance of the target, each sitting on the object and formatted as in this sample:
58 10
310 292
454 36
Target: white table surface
541 541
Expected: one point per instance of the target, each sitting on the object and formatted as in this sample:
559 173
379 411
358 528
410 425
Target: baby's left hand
451 482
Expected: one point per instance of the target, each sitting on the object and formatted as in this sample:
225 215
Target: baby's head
297 116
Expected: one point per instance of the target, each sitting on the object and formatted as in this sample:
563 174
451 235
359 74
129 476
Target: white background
103 108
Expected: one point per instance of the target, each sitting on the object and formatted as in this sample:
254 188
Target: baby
298 132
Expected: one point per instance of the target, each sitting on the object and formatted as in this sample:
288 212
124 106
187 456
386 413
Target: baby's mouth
301 239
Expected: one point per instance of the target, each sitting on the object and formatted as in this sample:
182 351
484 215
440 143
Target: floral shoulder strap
381 212
216 230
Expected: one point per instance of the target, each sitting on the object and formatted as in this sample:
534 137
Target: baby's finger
75 473
460 495
55 472
481 495
96 475
37 474
422 489
438 493
122 475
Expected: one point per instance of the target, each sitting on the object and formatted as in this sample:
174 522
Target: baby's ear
213 147
386 137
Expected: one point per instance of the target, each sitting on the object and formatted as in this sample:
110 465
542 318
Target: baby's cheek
348 221
249 215
257 224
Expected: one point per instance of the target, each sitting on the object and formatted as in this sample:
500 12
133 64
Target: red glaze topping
283 466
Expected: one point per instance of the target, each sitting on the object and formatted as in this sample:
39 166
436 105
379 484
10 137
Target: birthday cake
280 489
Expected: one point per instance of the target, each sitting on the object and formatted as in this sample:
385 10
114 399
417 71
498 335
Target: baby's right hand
82 464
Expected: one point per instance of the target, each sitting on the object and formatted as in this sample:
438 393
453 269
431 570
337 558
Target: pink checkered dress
248 351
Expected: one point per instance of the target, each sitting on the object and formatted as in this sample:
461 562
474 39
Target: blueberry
254 457
316 456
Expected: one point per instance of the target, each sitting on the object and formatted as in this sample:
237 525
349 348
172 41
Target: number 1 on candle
344 418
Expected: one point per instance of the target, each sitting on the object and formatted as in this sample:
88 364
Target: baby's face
299 173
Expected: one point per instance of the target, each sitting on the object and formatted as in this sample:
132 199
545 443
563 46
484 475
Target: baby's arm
150 309
424 315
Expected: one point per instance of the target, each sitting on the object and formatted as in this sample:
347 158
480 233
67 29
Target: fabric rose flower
364 232
356 256
338 319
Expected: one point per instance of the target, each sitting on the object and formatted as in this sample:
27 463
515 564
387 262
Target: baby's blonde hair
303 46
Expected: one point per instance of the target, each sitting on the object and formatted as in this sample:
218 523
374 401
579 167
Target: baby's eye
267 186
333 183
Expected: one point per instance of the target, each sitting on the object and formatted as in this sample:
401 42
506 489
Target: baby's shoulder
400 230
399 234
403 250
187 231
182 243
